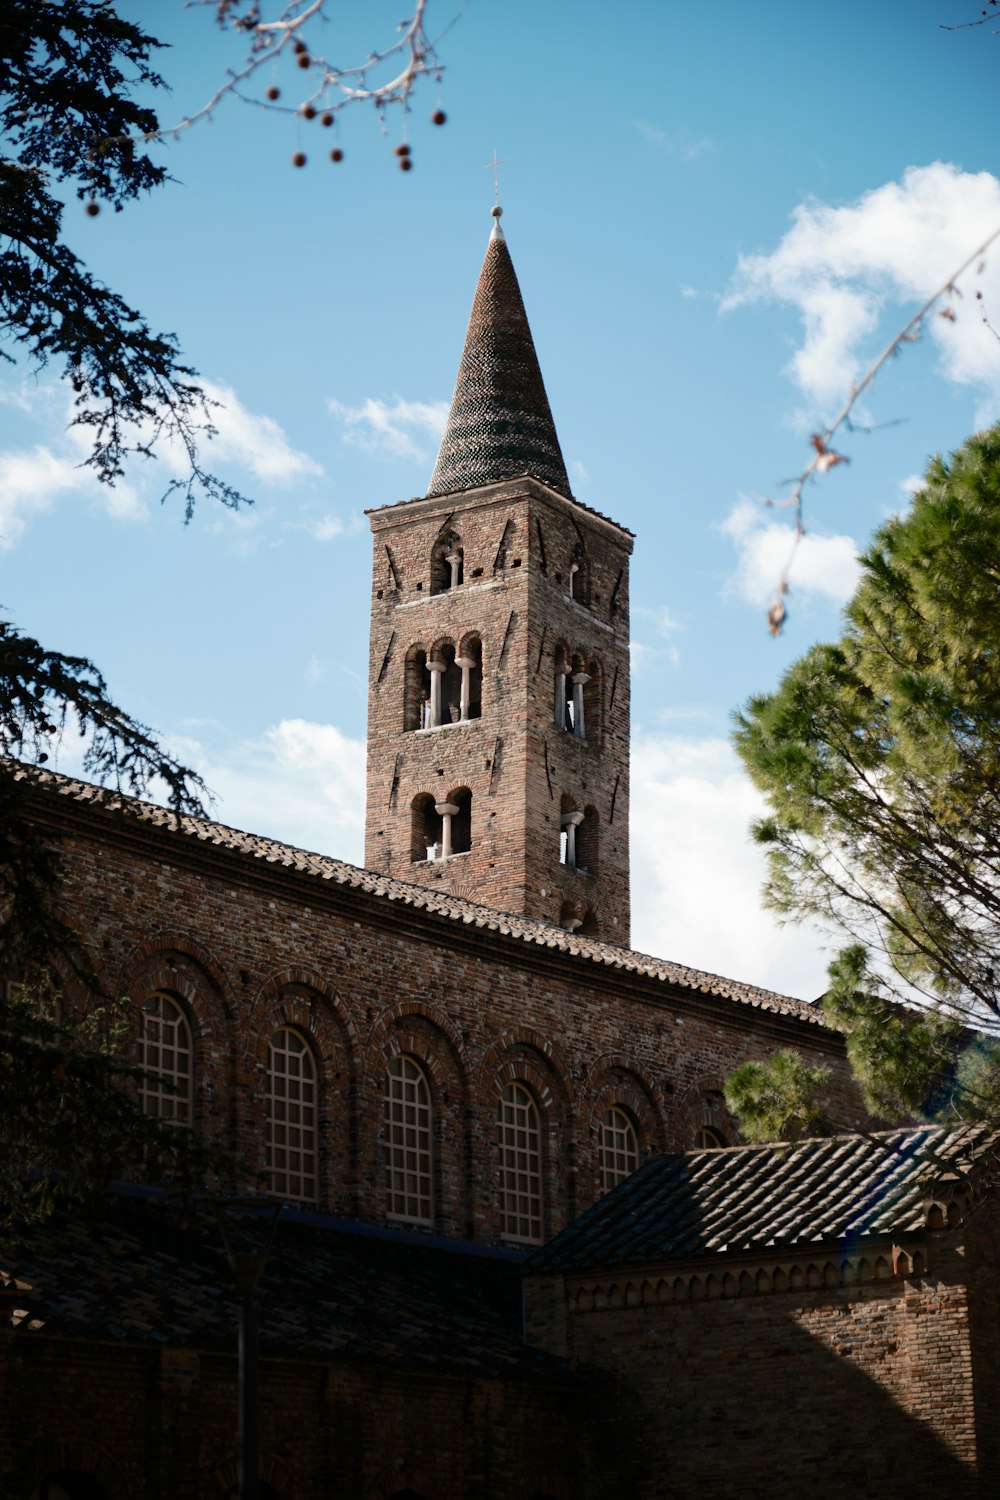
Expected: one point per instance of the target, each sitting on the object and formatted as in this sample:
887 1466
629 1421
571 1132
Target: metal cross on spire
496 164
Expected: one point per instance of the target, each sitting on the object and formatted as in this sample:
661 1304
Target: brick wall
245 946
160 1424
831 1376
519 542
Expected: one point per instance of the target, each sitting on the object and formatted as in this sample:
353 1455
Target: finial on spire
497 213
496 164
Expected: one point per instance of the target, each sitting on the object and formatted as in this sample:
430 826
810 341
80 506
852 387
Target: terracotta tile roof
707 1203
136 1271
457 909
500 423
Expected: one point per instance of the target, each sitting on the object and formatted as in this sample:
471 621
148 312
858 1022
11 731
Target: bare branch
824 457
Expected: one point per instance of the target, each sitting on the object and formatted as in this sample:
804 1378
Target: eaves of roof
532 934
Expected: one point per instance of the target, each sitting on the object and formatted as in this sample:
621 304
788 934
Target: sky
718 218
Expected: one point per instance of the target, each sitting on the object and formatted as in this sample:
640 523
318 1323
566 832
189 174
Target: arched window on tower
408 1142
447 563
416 690
587 841
470 664
461 820
707 1139
425 840
291 1117
618 1148
519 1138
575 681
165 1056
570 819
440 829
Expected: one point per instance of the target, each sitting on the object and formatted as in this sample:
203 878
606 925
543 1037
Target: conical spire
500 424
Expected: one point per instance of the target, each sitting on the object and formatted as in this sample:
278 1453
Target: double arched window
166 1060
519 1139
577 694
292 1141
441 829
409 1168
618 1148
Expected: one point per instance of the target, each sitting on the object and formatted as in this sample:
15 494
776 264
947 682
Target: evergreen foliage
779 1099
879 756
70 122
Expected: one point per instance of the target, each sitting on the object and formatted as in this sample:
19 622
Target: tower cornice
422 507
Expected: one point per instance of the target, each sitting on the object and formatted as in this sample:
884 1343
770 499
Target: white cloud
397 429
254 441
32 480
843 267
826 565
690 291
300 782
578 471
692 806
325 528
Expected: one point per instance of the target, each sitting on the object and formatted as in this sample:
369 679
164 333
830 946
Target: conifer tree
879 756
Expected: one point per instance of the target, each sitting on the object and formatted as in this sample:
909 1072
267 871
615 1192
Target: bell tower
498 688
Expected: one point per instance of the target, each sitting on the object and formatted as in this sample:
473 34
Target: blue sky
718 217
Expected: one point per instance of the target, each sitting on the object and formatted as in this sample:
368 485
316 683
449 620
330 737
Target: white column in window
579 680
466 663
446 811
574 568
436 669
571 822
560 697
454 561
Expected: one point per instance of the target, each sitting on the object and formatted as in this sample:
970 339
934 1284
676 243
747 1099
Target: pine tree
879 756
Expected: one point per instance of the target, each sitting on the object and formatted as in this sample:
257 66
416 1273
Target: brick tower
498 698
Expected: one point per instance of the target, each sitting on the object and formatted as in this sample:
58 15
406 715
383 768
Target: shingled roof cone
500 424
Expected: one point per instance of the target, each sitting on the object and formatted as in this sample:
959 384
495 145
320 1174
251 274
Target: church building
520 1252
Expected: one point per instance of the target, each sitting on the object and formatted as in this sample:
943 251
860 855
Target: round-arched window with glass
291 1117
619 1148
408 1142
165 1057
519 1139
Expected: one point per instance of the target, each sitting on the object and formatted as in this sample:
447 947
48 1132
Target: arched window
440 829
707 1139
165 1056
569 820
408 1142
447 563
461 821
291 1117
416 690
425 836
520 1140
587 841
470 664
618 1147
